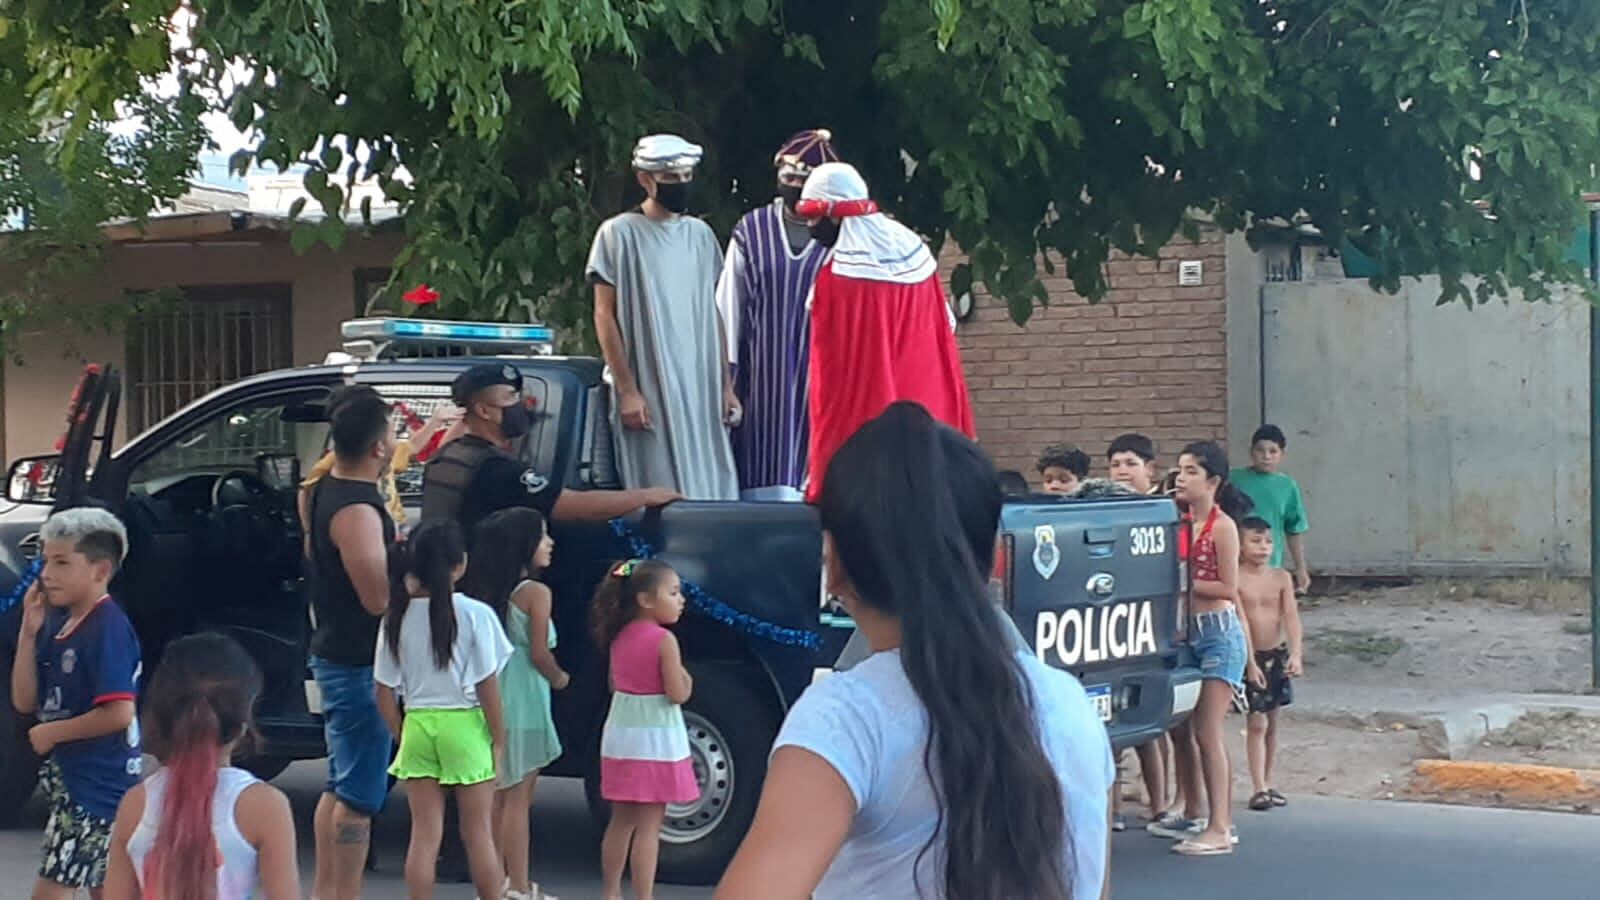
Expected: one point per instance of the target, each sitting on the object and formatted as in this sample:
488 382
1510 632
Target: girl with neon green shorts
439 655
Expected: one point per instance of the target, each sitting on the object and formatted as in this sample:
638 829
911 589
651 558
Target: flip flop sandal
1277 798
1195 848
1262 802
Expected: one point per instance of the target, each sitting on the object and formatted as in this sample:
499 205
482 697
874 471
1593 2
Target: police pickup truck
208 496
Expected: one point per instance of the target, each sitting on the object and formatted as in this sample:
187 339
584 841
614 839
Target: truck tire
732 719
19 767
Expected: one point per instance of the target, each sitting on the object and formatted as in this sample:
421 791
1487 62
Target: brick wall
1150 358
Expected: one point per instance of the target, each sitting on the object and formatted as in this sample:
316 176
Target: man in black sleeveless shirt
351 533
474 476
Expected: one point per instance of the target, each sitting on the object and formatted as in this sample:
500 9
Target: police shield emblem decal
1046 555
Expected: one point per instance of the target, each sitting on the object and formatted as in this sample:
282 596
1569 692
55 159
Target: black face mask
674 196
790 194
515 421
825 232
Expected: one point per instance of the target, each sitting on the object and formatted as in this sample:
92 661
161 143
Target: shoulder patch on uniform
534 482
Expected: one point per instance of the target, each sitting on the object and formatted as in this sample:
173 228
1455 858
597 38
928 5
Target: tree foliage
71 87
1453 136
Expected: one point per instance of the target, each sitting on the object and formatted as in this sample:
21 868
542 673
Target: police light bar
370 338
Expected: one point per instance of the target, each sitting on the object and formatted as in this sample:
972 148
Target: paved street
1313 850
1374 850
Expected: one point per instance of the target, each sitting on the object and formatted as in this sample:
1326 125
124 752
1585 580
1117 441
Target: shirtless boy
1274 616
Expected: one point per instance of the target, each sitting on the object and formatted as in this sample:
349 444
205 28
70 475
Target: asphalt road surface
1311 850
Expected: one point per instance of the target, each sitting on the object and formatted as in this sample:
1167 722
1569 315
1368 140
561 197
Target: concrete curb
1544 785
1448 730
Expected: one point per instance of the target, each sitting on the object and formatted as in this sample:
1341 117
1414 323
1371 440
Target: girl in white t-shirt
198 828
438 654
949 764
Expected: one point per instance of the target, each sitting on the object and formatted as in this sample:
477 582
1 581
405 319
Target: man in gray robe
654 272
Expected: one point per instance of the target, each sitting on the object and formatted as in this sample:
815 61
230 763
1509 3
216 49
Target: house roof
234 226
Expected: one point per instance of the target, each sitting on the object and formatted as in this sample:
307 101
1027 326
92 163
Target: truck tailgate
1094 584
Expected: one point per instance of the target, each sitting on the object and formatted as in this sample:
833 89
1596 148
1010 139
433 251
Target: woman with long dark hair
948 764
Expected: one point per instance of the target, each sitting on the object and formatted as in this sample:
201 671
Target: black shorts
1279 691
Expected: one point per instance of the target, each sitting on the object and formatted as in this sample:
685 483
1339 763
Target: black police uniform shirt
497 481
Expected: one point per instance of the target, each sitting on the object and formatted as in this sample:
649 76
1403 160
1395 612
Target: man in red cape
881 329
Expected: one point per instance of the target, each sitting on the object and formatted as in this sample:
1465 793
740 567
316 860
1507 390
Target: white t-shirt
481 650
868 724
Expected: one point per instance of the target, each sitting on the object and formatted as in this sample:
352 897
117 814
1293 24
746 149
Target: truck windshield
243 437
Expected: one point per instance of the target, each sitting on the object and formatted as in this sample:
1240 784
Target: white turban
871 246
665 153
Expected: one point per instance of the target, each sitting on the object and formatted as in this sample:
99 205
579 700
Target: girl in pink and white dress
644 749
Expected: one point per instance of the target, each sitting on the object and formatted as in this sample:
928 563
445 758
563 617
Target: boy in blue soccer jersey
76 668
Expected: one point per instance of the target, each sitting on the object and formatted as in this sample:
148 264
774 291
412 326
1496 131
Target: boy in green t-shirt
1277 500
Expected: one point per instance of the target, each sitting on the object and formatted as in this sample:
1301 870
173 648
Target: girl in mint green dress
510 550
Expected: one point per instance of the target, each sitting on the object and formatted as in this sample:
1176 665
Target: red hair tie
827 209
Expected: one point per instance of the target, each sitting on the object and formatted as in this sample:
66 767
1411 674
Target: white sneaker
533 894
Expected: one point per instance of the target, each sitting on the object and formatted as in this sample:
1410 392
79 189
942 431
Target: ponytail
912 509
430 556
1233 501
183 863
199 702
616 600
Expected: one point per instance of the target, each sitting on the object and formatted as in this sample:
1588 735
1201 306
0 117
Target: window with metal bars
182 348
371 298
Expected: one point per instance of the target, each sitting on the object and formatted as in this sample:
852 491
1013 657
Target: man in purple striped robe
766 280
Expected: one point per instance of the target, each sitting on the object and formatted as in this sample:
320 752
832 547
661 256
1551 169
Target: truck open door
86 443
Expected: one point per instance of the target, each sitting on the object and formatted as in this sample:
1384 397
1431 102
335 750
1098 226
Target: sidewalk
1487 681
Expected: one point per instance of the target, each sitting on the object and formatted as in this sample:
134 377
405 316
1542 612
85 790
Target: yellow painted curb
1541 784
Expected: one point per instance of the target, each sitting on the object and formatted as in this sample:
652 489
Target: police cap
484 375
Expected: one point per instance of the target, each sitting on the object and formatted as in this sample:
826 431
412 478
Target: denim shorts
1218 641
358 741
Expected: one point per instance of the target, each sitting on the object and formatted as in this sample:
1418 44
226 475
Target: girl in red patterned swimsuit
1220 638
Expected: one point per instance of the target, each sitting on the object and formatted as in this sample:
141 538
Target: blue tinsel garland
706 605
29 576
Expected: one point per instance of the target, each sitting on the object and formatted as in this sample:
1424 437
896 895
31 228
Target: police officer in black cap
475 476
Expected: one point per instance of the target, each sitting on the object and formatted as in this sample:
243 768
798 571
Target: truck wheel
19 767
732 722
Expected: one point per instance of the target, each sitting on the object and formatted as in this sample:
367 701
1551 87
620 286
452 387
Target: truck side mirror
33 480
